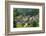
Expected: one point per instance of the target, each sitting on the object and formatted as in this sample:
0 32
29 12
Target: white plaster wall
2 18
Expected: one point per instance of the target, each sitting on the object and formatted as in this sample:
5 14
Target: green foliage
25 12
35 24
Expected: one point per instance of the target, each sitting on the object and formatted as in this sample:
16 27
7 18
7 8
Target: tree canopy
25 11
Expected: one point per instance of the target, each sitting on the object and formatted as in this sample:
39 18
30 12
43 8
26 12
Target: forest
25 17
